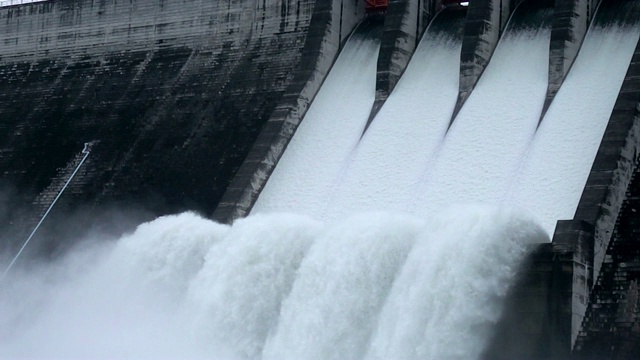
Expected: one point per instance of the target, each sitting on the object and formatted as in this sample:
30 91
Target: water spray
86 151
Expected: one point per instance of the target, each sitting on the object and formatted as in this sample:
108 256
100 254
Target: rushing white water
235 299
558 163
386 165
481 152
449 292
107 301
331 129
273 287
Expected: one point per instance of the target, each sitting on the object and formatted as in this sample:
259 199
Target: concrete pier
571 20
404 24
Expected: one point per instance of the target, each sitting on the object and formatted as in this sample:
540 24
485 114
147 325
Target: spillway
555 169
480 154
387 163
340 279
331 129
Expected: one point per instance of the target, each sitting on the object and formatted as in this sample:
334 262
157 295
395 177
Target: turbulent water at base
273 287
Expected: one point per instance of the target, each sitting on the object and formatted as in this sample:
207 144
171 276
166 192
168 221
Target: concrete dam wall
189 105
171 95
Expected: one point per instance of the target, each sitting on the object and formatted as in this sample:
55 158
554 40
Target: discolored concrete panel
172 95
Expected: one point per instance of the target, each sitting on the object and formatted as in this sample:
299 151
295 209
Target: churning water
280 286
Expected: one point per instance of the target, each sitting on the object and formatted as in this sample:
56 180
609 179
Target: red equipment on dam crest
376 6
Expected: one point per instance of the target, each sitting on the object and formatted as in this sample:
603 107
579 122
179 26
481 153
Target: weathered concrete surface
174 94
404 23
331 24
573 249
571 19
610 200
546 306
611 329
481 33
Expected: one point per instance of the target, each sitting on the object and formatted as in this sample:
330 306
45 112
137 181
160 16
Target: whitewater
272 287
424 279
331 129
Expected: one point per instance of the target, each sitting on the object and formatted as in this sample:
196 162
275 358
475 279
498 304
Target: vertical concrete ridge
404 24
611 328
573 244
482 30
571 19
613 167
331 23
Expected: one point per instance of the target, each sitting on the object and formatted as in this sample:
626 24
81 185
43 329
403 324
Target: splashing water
273 286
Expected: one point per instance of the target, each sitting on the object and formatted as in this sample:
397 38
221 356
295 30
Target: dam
415 179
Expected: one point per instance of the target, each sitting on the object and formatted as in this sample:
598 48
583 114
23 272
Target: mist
271 286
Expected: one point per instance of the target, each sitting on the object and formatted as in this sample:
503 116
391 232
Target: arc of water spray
86 151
